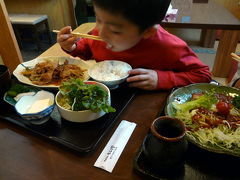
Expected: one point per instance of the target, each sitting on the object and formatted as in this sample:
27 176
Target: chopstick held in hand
235 57
83 35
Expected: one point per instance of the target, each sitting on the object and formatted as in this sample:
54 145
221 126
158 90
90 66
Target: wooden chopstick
83 35
235 57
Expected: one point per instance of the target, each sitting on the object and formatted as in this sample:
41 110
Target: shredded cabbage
221 136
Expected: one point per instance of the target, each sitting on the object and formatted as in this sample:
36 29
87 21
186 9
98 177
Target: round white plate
60 59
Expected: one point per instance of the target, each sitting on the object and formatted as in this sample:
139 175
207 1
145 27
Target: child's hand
143 78
66 39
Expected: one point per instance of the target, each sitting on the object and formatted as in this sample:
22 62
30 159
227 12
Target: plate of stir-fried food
51 71
211 114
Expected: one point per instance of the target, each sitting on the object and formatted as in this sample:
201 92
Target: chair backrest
80 11
27 18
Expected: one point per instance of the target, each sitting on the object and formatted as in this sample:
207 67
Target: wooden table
210 16
25 156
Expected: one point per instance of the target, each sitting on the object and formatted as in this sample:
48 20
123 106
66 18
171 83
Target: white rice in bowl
110 70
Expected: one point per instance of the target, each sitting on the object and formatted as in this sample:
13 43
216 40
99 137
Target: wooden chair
33 23
9 50
83 11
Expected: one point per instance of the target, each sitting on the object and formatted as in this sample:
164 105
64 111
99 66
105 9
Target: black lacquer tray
81 137
141 166
200 164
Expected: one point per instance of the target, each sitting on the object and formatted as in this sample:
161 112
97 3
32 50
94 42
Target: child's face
117 32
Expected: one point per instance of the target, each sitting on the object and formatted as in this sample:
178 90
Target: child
130 32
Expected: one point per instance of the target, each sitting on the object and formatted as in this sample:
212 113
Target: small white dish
41 112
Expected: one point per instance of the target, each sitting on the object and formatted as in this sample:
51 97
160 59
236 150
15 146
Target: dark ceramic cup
165 146
5 80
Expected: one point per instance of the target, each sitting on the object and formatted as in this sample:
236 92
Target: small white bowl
110 72
39 117
85 115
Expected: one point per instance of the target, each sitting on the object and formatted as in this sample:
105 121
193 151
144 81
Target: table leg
36 37
223 61
208 37
18 36
48 31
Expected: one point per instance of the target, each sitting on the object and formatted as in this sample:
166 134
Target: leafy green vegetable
236 101
206 100
16 89
81 96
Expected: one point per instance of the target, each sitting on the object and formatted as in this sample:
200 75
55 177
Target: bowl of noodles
79 101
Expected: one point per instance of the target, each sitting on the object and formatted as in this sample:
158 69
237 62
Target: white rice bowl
110 72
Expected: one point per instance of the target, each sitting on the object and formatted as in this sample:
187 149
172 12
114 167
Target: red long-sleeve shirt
175 63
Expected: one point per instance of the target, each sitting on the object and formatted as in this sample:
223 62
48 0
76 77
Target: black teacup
165 146
5 80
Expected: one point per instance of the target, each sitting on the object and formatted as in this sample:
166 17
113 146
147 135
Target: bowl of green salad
79 101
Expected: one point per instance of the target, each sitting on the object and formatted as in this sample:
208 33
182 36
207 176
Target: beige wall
60 12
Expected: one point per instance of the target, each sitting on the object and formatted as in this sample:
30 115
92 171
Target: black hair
143 13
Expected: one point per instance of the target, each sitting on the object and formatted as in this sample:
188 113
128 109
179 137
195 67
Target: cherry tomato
223 108
87 82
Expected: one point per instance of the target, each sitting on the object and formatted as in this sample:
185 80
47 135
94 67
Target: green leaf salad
16 89
236 101
206 123
78 96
